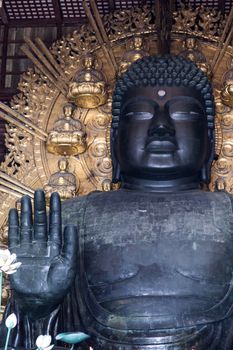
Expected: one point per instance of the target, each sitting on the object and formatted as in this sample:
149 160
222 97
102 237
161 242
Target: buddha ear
115 164
205 174
206 169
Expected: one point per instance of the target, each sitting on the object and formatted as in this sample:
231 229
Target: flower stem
7 338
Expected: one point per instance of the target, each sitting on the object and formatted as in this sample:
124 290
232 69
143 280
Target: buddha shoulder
113 203
73 209
97 201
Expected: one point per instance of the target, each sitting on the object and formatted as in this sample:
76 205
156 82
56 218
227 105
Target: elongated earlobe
205 174
116 173
206 169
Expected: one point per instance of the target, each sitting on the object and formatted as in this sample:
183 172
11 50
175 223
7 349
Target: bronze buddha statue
148 266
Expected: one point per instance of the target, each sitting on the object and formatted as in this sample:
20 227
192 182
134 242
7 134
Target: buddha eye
139 109
182 109
185 115
139 115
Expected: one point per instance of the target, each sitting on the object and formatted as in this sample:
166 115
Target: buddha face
190 43
88 62
68 110
162 133
63 164
138 42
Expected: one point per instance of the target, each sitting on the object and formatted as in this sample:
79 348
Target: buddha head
190 43
68 110
163 121
89 61
63 164
138 42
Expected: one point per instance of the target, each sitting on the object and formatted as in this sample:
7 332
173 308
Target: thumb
70 246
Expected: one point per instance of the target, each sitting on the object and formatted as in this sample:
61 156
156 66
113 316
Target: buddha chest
158 255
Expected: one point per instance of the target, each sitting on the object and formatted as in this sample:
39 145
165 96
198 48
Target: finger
40 219
26 220
13 234
70 246
55 230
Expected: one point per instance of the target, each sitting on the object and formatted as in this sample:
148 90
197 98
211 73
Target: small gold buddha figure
227 91
220 184
192 53
88 89
68 135
63 181
227 95
106 185
228 76
135 52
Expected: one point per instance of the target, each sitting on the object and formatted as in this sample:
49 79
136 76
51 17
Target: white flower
11 321
7 262
43 342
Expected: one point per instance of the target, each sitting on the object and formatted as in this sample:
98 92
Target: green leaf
72 337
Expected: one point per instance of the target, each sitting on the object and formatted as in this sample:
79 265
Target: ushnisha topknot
163 70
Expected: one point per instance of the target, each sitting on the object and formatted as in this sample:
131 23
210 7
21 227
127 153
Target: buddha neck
151 185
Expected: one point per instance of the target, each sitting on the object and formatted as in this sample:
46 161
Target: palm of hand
48 265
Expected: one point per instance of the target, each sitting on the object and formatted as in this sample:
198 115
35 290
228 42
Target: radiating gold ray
43 69
17 119
105 47
46 62
103 32
224 41
9 190
53 62
12 180
9 186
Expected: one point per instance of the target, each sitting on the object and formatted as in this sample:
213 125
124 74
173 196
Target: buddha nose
161 126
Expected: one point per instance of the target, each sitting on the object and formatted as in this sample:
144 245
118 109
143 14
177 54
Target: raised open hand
49 259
